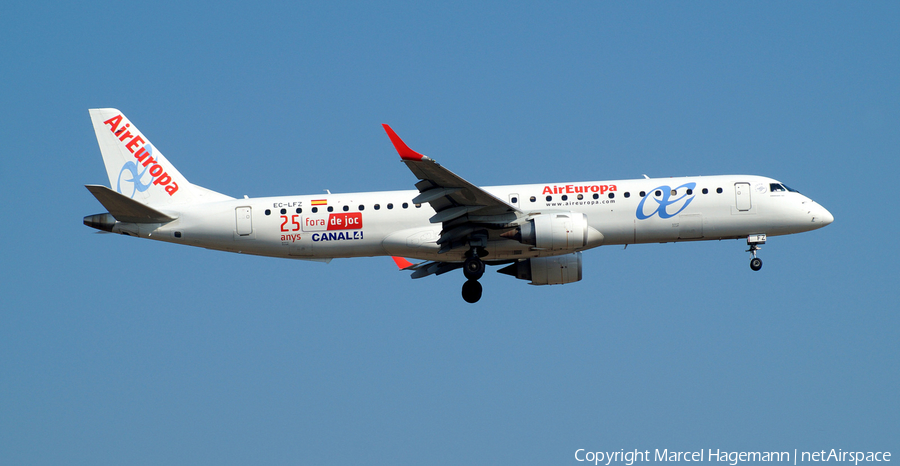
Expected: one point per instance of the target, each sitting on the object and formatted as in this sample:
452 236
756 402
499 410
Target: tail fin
137 169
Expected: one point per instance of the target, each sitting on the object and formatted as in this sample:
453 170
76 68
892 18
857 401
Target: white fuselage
323 227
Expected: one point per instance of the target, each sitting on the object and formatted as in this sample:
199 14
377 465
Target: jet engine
564 231
552 270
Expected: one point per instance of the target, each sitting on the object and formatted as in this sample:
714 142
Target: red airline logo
574 189
138 147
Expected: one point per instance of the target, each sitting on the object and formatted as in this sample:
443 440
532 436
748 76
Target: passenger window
390 205
331 208
627 194
549 198
565 198
643 193
719 190
705 191
418 206
533 199
315 209
377 206
690 191
612 195
405 205
514 200
596 196
268 211
299 210
580 197
283 211
658 193
346 208
362 207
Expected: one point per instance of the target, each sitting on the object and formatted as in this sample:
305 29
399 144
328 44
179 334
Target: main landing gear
754 241
473 269
471 291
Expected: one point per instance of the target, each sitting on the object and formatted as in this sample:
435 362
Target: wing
469 215
426 268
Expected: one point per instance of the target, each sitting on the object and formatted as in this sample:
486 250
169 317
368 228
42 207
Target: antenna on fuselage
647 177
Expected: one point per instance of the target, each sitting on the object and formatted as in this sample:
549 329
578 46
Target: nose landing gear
755 264
754 241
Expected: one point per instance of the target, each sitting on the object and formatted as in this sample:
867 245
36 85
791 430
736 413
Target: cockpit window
780 188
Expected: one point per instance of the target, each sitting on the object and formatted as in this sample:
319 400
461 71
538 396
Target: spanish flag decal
319 202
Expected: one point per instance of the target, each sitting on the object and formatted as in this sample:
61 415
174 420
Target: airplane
536 232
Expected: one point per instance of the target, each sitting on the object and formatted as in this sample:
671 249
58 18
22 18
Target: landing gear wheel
471 291
754 241
473 269
755 264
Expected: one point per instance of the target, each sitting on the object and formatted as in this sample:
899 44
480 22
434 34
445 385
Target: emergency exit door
243 221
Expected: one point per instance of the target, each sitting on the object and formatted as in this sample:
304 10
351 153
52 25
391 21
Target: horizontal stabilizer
125 209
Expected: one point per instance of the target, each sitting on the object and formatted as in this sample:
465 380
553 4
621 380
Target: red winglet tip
401 262
405 152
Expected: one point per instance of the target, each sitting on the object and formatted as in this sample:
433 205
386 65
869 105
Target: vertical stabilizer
137 169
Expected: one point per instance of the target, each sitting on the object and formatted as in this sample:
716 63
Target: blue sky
120 351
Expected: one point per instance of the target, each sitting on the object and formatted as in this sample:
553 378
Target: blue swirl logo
136 176
664 200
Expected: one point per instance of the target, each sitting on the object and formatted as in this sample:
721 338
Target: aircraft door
742 196
243 221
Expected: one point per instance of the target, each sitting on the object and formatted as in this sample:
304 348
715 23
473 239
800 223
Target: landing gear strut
473 269
754 241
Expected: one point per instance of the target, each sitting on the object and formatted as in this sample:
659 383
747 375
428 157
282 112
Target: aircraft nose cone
823 216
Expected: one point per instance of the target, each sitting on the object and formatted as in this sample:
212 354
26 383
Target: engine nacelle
564 231
552 270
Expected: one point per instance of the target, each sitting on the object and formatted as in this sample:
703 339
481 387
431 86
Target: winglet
401 262
405 152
